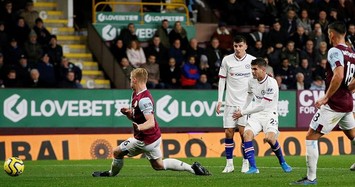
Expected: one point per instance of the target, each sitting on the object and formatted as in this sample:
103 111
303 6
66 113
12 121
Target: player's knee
269 140
248 135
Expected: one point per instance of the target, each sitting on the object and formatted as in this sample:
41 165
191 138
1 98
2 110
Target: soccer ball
14 166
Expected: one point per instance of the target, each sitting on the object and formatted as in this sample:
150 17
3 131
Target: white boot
245 165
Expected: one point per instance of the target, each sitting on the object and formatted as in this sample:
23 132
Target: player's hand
321 101
218 107
125 111
135 126
237 114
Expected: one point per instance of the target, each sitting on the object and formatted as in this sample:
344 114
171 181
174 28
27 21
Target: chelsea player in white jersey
263 114
234 75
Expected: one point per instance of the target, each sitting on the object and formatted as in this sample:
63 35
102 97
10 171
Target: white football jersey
237 73
266 89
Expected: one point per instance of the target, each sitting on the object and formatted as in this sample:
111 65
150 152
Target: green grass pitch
332 171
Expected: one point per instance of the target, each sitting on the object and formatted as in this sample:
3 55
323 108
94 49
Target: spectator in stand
54 51
299 84
3 70
333 16
204 68
350 35
258 35
289 23
65 67
153 73
127 68
195 50
163 33
321 69
272 12
11 80
189 74
277 39
13 52
346 11
128 34
318 84
214 56
317 36
69 81
180 33
29 14
311 54
299 38
224 37
311 7
326 5
323 21
202 83
157 49
21 32
191 6
3 36
268 69
257 50
35 82
135 54
119 50
291 53
306 71
304 22
43 35
177 53
282 86
8 16
286 72
171 75
33 49
23 71
322 51
289 4
232 12
47 72
256 11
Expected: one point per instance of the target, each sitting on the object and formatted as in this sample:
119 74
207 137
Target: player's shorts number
316 117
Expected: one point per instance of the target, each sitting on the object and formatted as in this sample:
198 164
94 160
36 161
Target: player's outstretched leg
199 169
229 147
278 152
116 166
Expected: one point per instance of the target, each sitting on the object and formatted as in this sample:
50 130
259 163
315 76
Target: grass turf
332 171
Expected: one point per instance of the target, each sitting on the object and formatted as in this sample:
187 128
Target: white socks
116 166
177 165
312 155
230 162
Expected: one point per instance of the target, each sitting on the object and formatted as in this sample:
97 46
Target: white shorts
136 147
263 122
229 122
325 119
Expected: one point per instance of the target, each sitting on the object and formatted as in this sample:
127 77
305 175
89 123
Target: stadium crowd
291 35
30 56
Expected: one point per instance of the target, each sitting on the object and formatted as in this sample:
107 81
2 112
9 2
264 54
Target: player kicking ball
263 114
147 136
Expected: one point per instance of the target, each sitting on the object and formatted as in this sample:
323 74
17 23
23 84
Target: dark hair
240 38
338 27
259 62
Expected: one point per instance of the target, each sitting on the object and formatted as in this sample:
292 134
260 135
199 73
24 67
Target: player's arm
146 106
221 86
148 124
256 108
249 96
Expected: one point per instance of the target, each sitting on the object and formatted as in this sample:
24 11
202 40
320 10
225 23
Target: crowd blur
30 56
